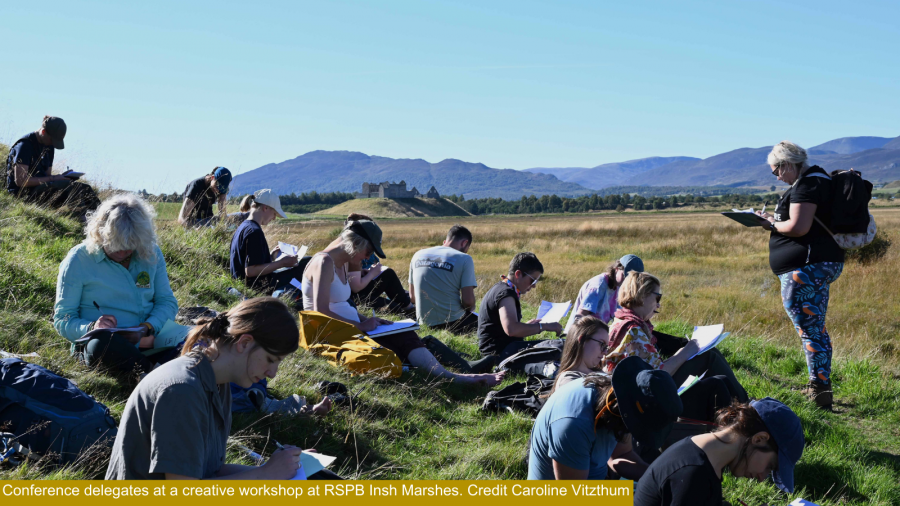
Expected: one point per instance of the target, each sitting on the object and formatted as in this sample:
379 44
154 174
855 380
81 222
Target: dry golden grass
712 269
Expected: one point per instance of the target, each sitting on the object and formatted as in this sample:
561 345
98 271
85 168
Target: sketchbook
394 328
72 174
312 463
746 218
707 337
553 312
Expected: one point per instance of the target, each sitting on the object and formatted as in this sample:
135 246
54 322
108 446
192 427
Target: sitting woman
753 441
631 335
251 259
326 289
116 278
599 294
177 421
588 424
586 345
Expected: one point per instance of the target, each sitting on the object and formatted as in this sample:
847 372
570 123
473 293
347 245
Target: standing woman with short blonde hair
116 278
806 259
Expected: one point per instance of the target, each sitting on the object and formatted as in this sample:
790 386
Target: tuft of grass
418 427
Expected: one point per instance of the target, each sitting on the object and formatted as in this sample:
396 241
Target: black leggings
712 362
388 284
115 354
465 325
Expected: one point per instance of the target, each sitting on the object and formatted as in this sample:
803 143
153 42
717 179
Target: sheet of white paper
287 249
402 324
171 334
690 381
296 284
751 211
802 502
707 337
553 312
6 354
312 463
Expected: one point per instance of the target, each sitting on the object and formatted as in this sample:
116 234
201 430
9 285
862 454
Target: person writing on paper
756 440
28 171
250 257
806 259
588 424
598 295
442 283
500 328
115 278
374 285
632 335
326 290
199 196
176 423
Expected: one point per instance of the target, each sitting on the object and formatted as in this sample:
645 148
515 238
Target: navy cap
56 129
632 263
648 401
785 428
223 179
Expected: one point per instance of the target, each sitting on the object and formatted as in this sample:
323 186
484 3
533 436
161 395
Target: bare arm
625 462
680 357
564 472
514 328
361 278
186 209
253 271
802 216
222 203
20 176
412 292
467 297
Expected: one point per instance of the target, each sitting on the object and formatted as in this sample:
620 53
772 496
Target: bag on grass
537 360
525 397
345 346
47 413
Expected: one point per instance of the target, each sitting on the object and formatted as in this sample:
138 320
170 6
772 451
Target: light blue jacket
140 293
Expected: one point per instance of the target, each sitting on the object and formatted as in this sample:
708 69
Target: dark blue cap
648 401
632 263
785 428
223 179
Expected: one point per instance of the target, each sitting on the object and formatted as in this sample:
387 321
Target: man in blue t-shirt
29 166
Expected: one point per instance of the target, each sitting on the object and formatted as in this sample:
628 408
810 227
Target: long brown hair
573 351
611 274
606 410
744 420
270 322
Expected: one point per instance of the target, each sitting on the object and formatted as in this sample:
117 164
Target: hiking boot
820 393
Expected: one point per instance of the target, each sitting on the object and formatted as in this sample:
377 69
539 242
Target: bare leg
422 358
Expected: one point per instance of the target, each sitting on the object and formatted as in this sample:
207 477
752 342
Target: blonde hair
635 287
246 202
353 243
123 222
790 154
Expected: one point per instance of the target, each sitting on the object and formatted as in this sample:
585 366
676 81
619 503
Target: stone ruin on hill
388 190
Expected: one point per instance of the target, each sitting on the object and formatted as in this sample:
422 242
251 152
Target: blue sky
157 93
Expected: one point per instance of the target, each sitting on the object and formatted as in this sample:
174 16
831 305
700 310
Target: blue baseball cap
632 263
223 179
648 400
785 428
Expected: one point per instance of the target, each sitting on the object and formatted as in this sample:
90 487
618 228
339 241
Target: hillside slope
397 208
346 171
611 174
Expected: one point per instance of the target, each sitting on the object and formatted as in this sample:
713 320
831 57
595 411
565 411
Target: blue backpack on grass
46 414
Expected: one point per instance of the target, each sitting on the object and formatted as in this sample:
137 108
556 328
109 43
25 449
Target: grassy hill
397 208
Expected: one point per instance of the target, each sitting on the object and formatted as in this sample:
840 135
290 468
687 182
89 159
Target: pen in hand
97 306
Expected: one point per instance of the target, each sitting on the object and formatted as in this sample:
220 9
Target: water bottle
234 292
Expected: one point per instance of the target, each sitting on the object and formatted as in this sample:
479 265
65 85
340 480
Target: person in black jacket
806 259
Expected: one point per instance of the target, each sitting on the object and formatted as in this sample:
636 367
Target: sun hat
785 428
56 129
269 198
648 401
632 263
369 231
223 179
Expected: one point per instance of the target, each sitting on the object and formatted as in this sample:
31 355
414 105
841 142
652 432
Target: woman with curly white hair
806 259
116 278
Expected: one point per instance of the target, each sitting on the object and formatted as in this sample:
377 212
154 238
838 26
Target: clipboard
746 219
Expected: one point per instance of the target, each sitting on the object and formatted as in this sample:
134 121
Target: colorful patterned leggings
804 293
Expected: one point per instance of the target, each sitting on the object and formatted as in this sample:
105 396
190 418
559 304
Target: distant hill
397 208
893 184
849 145
610 174
346 171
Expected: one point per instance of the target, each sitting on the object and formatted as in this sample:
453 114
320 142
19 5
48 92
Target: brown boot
819 393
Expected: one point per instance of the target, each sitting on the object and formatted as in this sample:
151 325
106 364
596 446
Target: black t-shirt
249 247
28 151
681 476
203 196
790 253
491 337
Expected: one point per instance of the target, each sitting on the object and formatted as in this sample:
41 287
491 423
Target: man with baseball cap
197 209
29 166
251 259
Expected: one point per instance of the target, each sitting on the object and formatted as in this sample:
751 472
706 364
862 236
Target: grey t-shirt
176 421
437 275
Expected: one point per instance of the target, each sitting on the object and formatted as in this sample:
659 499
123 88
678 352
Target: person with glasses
631 334
500 328
806 259
586 344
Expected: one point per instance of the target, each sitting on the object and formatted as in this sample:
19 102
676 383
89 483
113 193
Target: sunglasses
533 281
658 297
776 169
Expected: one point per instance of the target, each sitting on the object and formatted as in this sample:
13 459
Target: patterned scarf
626 319
509 284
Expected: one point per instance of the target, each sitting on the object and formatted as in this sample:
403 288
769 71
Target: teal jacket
140 293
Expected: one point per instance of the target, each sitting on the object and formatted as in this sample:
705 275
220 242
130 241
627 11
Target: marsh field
713 270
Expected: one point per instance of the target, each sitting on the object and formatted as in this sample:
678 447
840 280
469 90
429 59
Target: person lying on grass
500 328
326 289
753 441
632 335
588 424
116 278
176 422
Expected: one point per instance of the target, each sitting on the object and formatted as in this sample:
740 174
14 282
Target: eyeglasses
776 169
658 297
603 346
533 281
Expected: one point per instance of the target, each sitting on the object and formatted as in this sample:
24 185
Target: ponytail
247 202
267 319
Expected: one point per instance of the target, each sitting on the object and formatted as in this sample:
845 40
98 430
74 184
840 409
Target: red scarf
626 320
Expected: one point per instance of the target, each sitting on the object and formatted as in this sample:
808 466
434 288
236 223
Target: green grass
419 428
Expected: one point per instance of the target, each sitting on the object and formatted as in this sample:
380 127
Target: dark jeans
465 325
387 283
712 362
78 197
447 357
115 354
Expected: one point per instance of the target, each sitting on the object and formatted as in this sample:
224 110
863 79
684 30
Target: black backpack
850 202
528 397
543 359
43 413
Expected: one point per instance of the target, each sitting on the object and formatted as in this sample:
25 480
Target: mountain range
878 158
